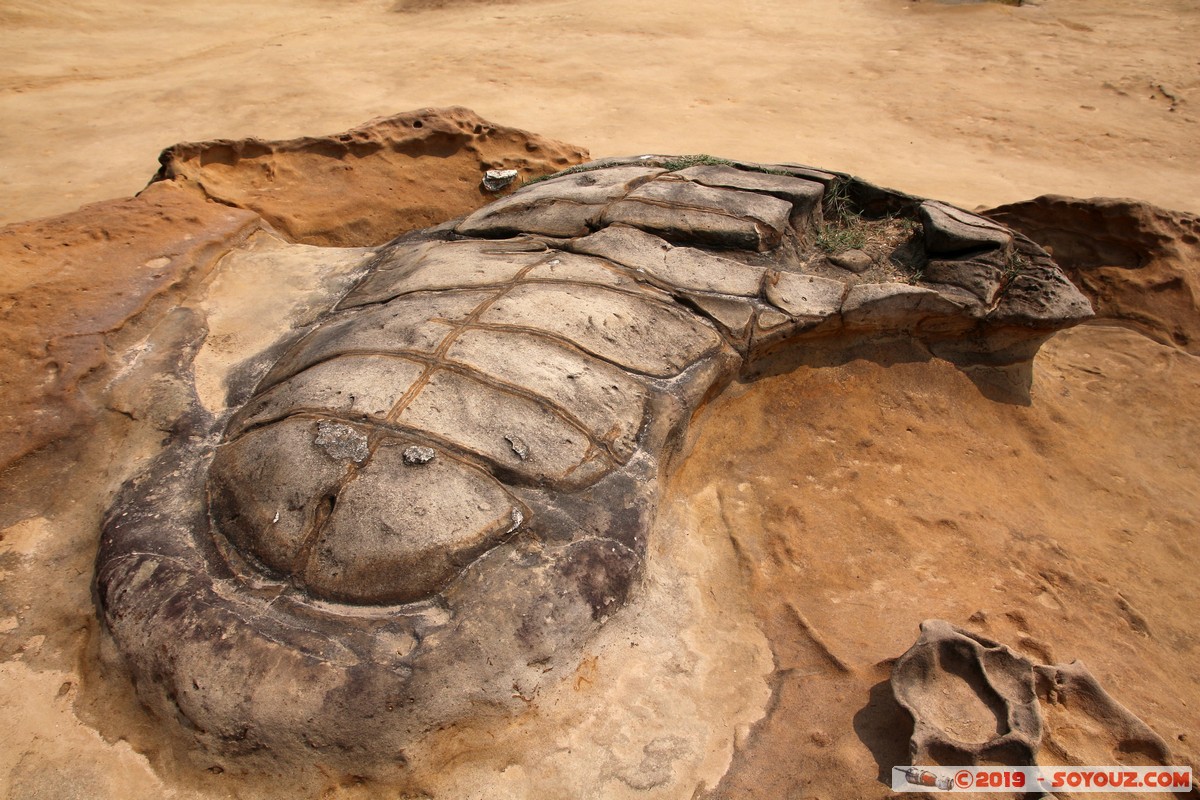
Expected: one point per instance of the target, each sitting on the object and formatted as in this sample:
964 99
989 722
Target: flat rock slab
804 195
639 334
805 296
600 396
952 231
406 326
485 420
356 387
401 531
681 267
439 266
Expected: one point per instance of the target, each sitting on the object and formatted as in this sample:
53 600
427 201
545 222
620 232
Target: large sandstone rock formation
418 506
71 285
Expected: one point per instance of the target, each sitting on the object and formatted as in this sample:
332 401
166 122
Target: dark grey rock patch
417 455
341 442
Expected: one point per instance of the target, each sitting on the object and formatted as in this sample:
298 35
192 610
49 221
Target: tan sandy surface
821 514
979 105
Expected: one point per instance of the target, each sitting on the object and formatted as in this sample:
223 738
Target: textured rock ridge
1137 263
440 491
370 184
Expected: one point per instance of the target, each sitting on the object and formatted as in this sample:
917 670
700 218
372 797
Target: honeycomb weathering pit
974 701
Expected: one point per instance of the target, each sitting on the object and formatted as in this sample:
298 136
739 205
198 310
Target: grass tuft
837 238
843 228
1015 265
696 160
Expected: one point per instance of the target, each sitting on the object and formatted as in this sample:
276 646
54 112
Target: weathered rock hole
964 704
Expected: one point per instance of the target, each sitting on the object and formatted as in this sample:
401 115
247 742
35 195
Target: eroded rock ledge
1138 264
73 285
443 488
369 184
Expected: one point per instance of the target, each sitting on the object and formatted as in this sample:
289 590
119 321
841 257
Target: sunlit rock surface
294 582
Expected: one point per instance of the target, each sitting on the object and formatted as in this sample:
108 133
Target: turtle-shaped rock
446 485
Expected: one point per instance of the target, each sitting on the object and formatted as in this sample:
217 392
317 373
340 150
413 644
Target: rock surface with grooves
549 350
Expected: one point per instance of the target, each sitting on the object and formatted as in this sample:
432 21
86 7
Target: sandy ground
975 104
876 493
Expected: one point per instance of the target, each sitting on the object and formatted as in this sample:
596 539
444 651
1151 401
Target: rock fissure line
628 273
465 454
304 555
574 345
455 367
440 353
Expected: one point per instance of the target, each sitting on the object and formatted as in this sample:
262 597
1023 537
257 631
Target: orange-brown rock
69 284
369 184
1139 264
397 458
820 513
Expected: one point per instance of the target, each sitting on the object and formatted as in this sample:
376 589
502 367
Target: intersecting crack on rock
539 360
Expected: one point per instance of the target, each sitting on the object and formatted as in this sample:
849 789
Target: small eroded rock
496 179
518 445
853 260
341 442
974 701
417 455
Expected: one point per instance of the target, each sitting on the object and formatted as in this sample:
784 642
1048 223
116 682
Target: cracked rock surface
442 489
